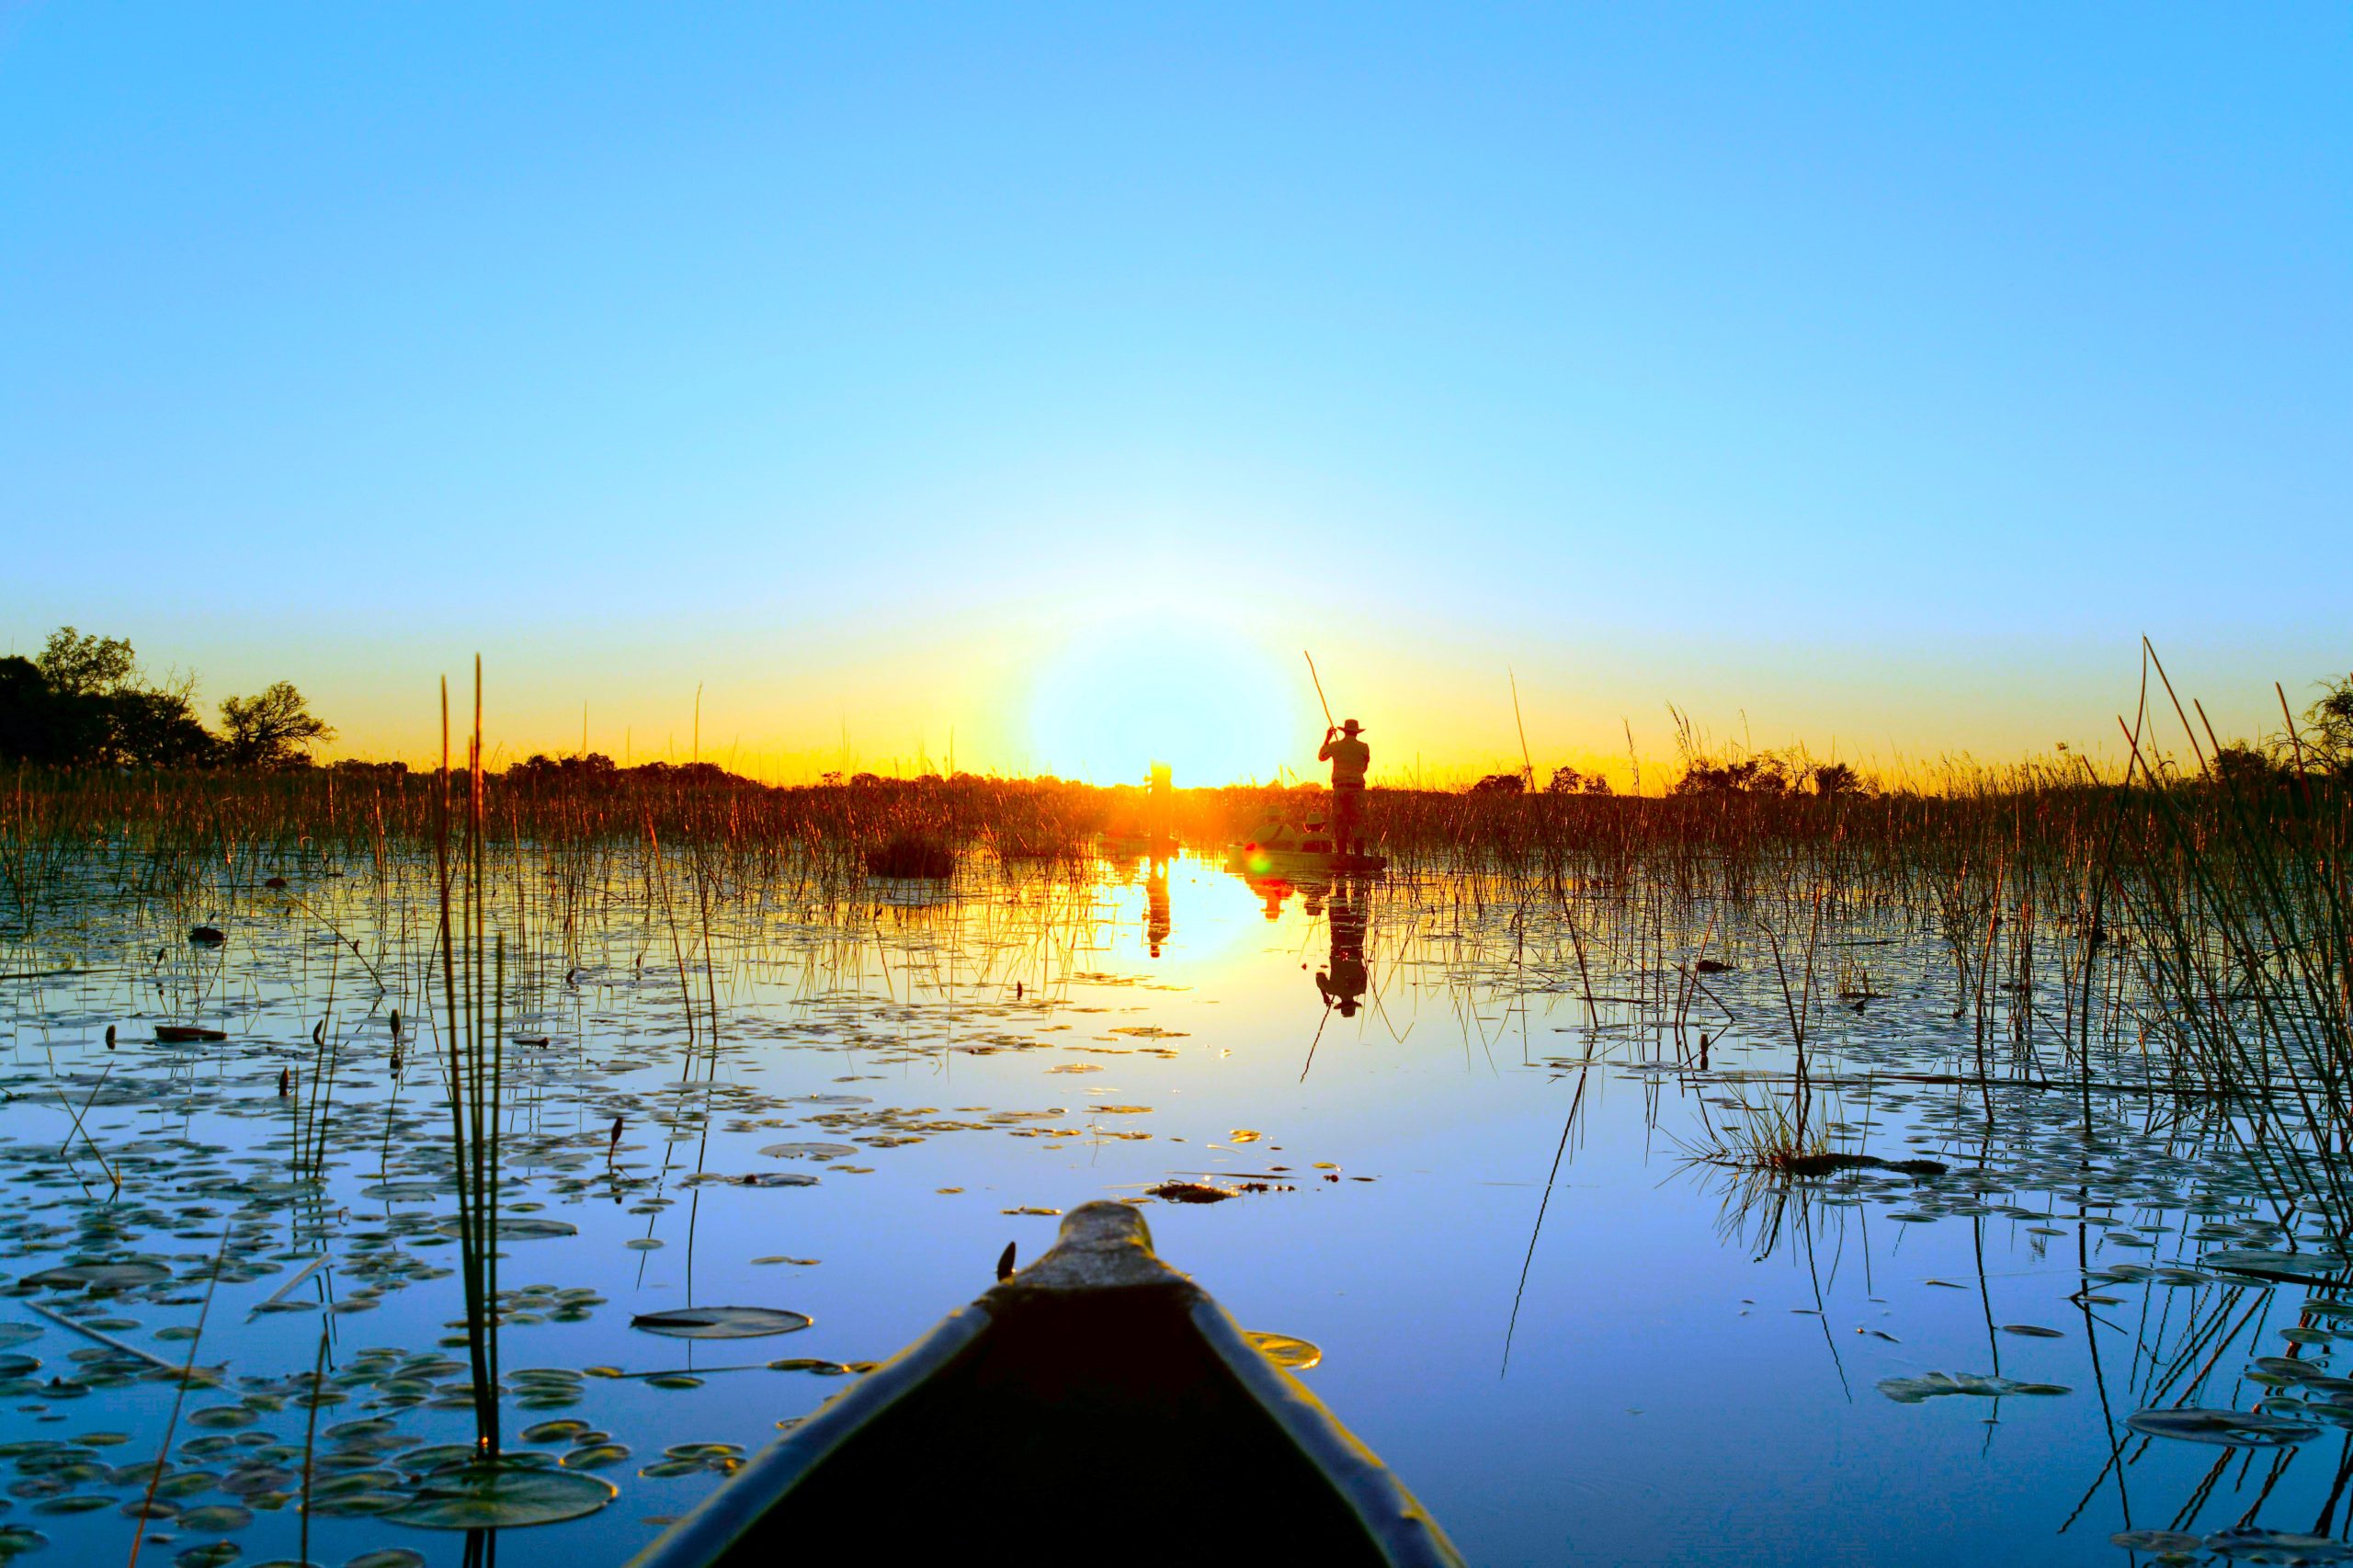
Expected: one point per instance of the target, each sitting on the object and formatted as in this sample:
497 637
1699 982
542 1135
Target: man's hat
1350 726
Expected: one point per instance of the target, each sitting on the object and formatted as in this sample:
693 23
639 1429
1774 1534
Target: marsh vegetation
1855 1129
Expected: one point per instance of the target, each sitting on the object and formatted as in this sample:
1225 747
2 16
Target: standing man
1349 757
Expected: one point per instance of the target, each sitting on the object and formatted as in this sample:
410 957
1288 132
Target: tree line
2319 746
83 701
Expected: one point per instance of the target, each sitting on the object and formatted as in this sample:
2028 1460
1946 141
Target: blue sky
1860 376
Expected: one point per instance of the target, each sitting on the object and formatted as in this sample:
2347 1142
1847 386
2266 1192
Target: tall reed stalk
473 1004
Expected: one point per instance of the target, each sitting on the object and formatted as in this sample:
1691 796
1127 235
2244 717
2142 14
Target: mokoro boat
1097 1407
1122 844
1255 860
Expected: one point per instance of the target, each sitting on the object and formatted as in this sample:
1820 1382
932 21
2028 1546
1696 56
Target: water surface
1492 1190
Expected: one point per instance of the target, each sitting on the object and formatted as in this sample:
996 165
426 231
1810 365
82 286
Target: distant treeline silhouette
84 702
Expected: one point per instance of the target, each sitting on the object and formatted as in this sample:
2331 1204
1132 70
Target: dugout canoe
1097 1407
1255 860
1137 845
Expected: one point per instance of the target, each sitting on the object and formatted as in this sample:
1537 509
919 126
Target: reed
474 1036
2166 918
2246 939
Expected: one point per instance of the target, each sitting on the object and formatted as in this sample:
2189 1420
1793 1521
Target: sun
1167 686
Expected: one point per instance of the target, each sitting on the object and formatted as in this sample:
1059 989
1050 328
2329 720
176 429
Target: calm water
1680 1365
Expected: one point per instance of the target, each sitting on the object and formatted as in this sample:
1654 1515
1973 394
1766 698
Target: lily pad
1293 1354
2251 1543
100 1276
518 1228
1931 1385
2164 1543
2267 1260
809 1150
554 1431
218 1415
2228 1428
722 1323
594 1455
494 1496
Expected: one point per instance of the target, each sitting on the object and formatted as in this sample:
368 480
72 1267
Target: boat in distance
1264 860
1097 1406
1140 845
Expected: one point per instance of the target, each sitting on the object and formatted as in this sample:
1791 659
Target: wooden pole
1319 689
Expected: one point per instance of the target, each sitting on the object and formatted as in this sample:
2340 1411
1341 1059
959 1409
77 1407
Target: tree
154 727
1838 778
78 665
2239 763
539 766
271 729
81 704
36 725
2330 721
1750 776
1565 781
1499 784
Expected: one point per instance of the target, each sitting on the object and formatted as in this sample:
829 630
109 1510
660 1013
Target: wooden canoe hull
1129 846
1253 861
1097 1407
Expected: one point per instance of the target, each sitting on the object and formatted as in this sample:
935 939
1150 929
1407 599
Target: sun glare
1205 698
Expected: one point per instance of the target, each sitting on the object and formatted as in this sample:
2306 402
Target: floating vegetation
2251 1543
722 1323
2162 1543
910 855
1935 1385
1293 1354
500 1495
2229 1428
708 992
1191 1192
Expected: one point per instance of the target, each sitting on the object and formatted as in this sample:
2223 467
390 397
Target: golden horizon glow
1215 702
1163 684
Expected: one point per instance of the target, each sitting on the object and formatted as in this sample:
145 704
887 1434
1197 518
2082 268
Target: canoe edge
705 1535
1403 1529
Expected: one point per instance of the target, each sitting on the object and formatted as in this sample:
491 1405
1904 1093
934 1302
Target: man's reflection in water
1343 984
1155 894
1272 891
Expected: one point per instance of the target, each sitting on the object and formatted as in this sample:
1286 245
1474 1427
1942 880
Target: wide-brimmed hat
1349 726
